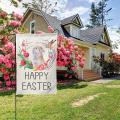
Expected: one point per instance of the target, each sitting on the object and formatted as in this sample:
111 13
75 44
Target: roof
92 35
54 22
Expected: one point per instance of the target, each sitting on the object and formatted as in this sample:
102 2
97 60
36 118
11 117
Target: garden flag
36 63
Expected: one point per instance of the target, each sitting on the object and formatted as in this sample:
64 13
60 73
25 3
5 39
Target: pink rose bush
11 25
7 62
69 55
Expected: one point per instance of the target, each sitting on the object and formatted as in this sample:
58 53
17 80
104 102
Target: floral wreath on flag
27 63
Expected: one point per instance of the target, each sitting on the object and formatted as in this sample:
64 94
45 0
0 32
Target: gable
40 23
77 21
105 37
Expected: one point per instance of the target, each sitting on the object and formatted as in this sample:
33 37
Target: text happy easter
36 85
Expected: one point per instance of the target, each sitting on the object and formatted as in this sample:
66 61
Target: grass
58 107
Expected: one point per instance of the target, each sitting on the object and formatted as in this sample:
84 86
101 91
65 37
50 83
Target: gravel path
106 80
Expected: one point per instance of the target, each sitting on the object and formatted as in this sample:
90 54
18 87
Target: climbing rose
3 14
73 68
60 38
9 45
8 65
0 83
6 77
3 70
15 23
4 40
66 75
82 64
70 76
1 58
50 29
8 83
11 25
17 16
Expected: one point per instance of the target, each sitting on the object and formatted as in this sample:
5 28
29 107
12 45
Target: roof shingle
92 35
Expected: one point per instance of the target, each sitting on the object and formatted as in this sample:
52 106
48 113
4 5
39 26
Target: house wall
86 47
74 31
91 50
102 49
40 23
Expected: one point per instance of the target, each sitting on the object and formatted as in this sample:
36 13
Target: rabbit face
38 52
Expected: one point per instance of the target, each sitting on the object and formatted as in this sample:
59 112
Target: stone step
90 75
85 77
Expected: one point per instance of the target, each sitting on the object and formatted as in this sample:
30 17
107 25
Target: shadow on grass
72 86
7 93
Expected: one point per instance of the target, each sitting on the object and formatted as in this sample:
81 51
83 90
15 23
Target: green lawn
58 107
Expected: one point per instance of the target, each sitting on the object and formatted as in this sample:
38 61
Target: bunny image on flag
36 63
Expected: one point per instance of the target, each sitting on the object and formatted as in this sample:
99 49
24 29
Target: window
102 56
94 51
32 27
75 32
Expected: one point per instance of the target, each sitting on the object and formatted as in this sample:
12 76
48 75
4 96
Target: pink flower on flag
26 54
23 62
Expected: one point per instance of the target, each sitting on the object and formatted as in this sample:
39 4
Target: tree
99 13
103 12
93 16
15 2
44 5
117 43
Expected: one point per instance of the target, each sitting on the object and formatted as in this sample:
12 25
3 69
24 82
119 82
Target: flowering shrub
116 57
69 55
10 24
110 67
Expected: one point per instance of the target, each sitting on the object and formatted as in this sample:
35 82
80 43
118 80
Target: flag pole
16 81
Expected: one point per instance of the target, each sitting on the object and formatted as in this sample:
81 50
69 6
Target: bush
110 69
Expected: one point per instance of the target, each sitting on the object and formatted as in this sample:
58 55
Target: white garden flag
36 63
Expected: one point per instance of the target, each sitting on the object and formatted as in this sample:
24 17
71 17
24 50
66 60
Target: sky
67 8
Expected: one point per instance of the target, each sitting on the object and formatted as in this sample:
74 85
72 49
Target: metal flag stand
16 82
